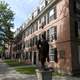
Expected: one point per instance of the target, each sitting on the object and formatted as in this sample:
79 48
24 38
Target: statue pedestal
44 74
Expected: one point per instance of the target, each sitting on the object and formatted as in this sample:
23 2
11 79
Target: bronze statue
43 48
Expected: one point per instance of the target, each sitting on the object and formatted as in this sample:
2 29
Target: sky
22 9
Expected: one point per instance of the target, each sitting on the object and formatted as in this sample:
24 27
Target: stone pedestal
44 74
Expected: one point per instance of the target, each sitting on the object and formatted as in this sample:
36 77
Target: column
32 57
37 58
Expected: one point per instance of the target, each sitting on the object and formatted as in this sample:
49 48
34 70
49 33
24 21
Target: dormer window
35 12
43 4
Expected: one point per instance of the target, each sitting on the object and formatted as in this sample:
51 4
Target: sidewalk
7 73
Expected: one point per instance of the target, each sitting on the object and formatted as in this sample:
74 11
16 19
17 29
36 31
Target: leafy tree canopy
6 22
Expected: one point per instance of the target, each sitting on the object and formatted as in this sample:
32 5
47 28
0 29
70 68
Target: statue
43 48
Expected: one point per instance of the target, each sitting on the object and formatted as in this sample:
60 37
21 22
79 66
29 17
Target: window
35 40
52 14
52 34
77 29
35 13
30 42
39 20
53 54
35 26
42 21
76 6
51 51
43 4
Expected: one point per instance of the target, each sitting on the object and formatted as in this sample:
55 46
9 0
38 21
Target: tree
6 23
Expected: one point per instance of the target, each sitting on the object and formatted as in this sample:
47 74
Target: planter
44 74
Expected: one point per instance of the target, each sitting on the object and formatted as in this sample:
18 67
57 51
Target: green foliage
1 50
6 22
6 15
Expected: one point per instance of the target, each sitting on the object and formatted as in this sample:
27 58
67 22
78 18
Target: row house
60 19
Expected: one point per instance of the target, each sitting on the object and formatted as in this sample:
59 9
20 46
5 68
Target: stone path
7 73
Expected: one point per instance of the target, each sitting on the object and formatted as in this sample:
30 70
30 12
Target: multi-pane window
42 21
35 26
52 14
53 54
52 34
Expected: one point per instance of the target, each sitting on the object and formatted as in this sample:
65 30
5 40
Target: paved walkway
7 73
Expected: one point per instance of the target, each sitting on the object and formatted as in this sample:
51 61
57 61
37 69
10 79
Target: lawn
57 74
13 63
26 70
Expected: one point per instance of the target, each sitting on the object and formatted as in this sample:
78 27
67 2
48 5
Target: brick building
61 21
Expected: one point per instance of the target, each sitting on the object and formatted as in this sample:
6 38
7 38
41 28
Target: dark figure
43 48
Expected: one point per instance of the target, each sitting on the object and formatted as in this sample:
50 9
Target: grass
57 74
26 70
13 63
31 70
